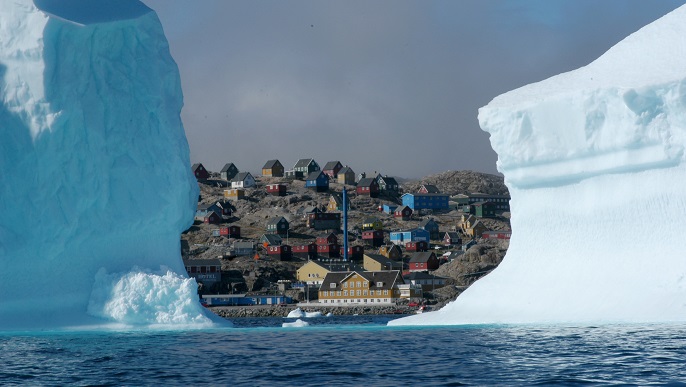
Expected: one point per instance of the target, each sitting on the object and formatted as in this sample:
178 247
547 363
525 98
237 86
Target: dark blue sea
350 351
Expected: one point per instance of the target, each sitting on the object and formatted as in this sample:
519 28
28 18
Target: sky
387 86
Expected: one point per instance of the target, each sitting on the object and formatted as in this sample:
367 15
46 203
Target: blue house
318 180
417 201
389 208
416 235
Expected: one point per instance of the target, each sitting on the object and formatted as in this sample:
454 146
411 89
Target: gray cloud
390 86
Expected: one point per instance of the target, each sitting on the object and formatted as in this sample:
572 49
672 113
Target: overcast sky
389 86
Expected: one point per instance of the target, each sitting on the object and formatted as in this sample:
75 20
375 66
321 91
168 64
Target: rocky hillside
461 182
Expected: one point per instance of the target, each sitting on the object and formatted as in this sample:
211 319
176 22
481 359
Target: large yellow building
313 272
361 287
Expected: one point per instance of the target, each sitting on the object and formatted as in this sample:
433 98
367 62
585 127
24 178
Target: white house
243 180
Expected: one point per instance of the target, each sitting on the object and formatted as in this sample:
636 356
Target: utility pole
345 225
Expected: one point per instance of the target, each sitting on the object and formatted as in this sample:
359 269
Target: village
278 238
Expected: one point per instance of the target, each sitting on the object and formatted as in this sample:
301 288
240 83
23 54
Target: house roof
422 257
315 175
366 182
487 196
401 209
195 166
331 165
227 167
389 180
303 163
430 188
271 164
479 204
452 235
338 198
272 239
387 279
240 176
371 219
383 260
276 220
345 170
427 195
243 245
312 209
427 222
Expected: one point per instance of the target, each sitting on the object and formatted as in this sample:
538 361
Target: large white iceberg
94 167
594 160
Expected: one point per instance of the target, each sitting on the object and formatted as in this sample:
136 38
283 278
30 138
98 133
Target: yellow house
471 226
336 203
391 251
377 262
361 287
313 272
234 194
372 223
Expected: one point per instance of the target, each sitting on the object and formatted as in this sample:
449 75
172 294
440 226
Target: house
271 240
332 250
372 223
277 189
280 252
336 202
329 239
234 194
482 209
391 251
228 172
291 174
377 262
318 181
332 168
387 184
415 235
416 246
389 208
243 180
324 220
230 231
277 225
273 168
404 213
306 166
452 238
501 202
426 201
346 176
431 226
355 253
423 261
313 272
309 210
243 248
308 251
428 282
373 237
205 271
368 187
471 226
502 234
212 218
209 213
226 208
356 287
361 176
428 189
200 172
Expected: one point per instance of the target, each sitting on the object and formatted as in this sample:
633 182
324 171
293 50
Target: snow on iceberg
594 160
94 159
299 313
295 324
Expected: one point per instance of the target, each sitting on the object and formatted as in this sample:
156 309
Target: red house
452 238
417 246
496 234
373 237
355 253
212 218
305 251
368 187
424 261
276 189
230 231
331 168
329 251
403 212
280 252
327 240
200 172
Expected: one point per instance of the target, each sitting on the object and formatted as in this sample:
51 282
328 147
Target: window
326 293
333 285
359 292
359 284
371 292
345 284
345 292
385 292
379 284
364 293
338 293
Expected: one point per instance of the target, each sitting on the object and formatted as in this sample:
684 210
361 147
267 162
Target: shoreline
282 311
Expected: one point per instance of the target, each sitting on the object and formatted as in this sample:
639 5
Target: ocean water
349 351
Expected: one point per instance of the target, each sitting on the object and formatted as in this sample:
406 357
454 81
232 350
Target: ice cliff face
594 160
94 161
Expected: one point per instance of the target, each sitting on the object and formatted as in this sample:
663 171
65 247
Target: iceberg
95 187
594 160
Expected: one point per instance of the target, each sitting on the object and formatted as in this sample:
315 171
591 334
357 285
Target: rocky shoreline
282 311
